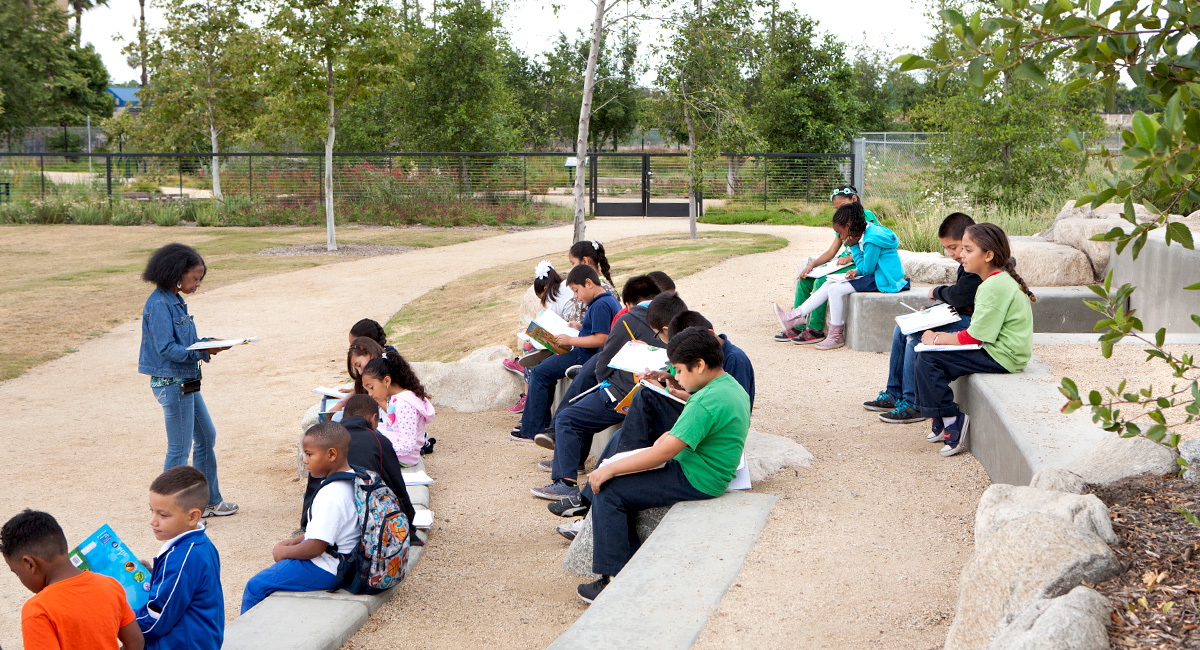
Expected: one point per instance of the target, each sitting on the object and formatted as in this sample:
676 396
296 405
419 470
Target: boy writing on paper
593 332
575 425
695 460
186 607
70 609
897 403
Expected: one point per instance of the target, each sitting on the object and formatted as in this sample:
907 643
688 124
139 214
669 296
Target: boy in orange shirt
70 609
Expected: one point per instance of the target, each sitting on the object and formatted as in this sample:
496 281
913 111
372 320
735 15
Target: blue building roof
126 96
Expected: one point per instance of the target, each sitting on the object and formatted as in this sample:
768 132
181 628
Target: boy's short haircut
639 288
693 344
581 272
33 533
663 308
187 484
363 406
664 281
955 226
687 319
330 435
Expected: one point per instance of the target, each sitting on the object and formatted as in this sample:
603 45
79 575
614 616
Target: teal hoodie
876 254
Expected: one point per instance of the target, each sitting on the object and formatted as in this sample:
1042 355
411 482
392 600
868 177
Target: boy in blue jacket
186 607
877 268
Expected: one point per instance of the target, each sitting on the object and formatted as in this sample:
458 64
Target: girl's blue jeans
190 431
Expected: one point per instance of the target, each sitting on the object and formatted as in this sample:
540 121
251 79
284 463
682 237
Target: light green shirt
1003 320
713 425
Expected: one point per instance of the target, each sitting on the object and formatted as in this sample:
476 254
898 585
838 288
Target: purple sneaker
556 491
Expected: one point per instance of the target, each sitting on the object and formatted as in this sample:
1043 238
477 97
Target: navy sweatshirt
961 294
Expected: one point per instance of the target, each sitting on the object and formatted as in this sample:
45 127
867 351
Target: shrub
127 213
163 214
205 214
14 213
89 214
49 211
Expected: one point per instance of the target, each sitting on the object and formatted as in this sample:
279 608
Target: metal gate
623 185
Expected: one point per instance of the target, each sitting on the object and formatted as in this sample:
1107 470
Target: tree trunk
330 234
216 163
731 171
585 117
78 5
142 40
694 169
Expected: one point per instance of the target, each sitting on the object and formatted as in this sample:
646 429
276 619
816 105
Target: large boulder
1001 504
1035 557
1061 480
1076 621
1140 212
767 454
1077 234
578 559
1116 458
469 386
1046 264
1189 450
929 268
490 354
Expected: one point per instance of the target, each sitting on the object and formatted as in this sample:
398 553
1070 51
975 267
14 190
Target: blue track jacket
186 608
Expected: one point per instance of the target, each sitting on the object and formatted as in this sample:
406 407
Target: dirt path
862 551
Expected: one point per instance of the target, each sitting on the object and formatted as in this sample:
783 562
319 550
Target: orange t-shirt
83 612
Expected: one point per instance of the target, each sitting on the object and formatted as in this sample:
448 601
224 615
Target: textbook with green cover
546 327
104 553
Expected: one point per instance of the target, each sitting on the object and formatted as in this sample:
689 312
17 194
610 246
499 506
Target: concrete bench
871 317
666 593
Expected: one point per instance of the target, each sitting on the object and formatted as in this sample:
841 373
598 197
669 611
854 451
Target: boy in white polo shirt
307 562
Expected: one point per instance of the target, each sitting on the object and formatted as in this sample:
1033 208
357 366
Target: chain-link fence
892 165
406 182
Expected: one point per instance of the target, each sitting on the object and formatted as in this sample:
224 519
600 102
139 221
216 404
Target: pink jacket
404 424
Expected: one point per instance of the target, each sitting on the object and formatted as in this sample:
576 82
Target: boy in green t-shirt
695 460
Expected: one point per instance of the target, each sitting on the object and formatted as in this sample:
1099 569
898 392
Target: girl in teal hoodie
877 268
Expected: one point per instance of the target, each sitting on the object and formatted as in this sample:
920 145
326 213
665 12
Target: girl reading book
390 380
1001 327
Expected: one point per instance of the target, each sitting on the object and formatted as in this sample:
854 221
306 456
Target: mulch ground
1156 600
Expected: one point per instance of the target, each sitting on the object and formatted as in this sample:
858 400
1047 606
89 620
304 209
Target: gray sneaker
222 509
571 530
546 465
555 491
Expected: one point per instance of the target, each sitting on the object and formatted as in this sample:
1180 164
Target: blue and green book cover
104 553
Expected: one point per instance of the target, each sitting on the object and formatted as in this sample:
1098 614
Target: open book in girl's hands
825 269
546 327
922 347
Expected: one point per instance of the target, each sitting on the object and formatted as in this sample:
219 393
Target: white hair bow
542 270
596 244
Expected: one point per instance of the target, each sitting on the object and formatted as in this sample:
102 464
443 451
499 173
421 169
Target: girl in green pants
814 331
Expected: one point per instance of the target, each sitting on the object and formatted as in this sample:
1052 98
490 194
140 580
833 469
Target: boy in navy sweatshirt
897 403
186 607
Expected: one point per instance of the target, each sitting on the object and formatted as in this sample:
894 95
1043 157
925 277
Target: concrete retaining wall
1160 273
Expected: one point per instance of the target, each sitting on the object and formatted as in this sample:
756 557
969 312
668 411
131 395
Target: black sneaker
960 428
937 430
589 591
904 413
573 372
515 434
881 404
533 358
545 439
572 506
789 334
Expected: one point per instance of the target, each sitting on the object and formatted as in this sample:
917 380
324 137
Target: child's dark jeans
935 371
541 388
616 505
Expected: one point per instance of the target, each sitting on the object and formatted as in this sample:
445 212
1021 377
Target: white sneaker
222 509
570 530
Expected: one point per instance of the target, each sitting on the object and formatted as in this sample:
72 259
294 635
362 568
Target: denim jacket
167 331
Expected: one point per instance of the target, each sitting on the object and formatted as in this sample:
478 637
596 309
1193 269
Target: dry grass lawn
61 285
449 322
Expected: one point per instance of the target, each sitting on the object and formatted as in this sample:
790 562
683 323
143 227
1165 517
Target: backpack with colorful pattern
380 559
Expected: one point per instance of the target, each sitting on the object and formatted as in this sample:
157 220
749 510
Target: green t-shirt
1003 320
713 425
870 216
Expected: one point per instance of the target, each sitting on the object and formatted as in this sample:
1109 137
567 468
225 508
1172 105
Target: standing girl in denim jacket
167 331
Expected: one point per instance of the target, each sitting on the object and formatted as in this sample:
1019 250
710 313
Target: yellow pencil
626 324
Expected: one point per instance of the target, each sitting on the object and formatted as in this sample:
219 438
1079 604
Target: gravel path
863 549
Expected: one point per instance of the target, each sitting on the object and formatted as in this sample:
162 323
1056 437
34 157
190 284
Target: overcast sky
896 25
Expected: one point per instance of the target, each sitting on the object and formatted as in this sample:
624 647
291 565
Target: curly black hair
168 264
32 533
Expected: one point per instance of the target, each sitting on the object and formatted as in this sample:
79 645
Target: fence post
250 158
179 165
858 161
42 171
765 161
108 176
525 178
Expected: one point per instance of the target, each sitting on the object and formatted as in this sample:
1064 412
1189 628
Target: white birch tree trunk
693 164
585 117
330 234
216 163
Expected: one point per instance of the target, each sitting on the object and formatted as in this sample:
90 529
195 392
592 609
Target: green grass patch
481 309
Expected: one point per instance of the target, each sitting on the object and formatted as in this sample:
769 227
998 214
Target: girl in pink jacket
402 398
